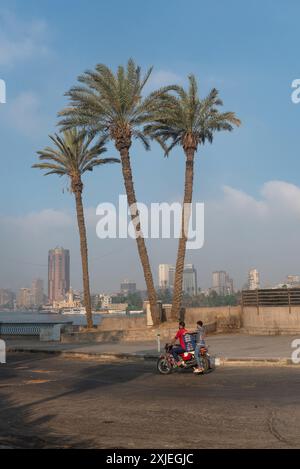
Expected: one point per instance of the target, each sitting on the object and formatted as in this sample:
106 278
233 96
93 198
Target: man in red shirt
179 348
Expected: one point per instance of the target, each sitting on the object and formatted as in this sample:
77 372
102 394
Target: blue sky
248 50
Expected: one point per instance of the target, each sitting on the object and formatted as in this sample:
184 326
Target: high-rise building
58 274
222 284
166 276
127 287
189 284
253 279
37 292
24 298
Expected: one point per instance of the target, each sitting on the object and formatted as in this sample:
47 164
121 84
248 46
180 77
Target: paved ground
222 345
50 401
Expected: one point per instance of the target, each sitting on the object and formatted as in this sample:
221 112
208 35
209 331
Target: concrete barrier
227 318
271 320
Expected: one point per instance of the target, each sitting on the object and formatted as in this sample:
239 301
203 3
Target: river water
30 316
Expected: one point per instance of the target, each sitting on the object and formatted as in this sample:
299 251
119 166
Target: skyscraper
58 273
253 279
166 275
189 285
222 284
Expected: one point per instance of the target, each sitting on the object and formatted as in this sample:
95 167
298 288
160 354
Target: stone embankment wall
271 320
221 319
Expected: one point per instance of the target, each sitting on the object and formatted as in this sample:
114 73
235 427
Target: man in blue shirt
200 342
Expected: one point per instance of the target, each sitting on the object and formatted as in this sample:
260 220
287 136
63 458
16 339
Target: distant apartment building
222 284
253 279
166 276
127 287
58 274
24 298
189 284
106 301
37 292
6 298
293 280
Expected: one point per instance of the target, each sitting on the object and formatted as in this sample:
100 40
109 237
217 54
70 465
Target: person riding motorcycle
200 342
179 348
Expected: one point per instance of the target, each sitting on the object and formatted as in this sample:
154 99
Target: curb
75 354
151 357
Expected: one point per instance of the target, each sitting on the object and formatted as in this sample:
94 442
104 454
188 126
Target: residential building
106 301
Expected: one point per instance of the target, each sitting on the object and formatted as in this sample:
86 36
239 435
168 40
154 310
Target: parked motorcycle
166 362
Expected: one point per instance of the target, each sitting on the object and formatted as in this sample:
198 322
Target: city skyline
252 280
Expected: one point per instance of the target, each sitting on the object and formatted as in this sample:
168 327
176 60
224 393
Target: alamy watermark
159 220
296 353
295 96
2 351
2 92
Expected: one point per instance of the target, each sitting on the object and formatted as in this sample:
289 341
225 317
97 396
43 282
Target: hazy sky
249 180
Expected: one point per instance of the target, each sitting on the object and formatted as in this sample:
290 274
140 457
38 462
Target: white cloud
282 196
21 40
240 201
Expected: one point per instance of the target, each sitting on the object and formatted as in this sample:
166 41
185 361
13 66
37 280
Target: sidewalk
227 347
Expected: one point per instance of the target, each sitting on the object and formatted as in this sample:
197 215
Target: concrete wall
122 323
227 318
270 320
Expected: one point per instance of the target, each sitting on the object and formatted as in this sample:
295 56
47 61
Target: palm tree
112 105
187 120
72 156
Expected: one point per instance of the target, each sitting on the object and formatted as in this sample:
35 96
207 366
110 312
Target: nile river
29 316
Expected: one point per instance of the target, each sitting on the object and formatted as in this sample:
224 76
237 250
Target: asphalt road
50 401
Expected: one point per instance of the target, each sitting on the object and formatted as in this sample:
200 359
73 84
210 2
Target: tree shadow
19 425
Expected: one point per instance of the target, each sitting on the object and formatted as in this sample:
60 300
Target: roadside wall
227 318
122 323
271 320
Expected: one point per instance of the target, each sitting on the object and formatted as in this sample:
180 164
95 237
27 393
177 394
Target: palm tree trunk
84 255
131 200
186 212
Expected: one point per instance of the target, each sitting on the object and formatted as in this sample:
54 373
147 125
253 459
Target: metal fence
271 297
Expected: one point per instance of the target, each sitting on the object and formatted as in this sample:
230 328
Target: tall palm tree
72 155
112 104
184 119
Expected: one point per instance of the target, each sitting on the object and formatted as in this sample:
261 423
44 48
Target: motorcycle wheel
206 363
163 366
